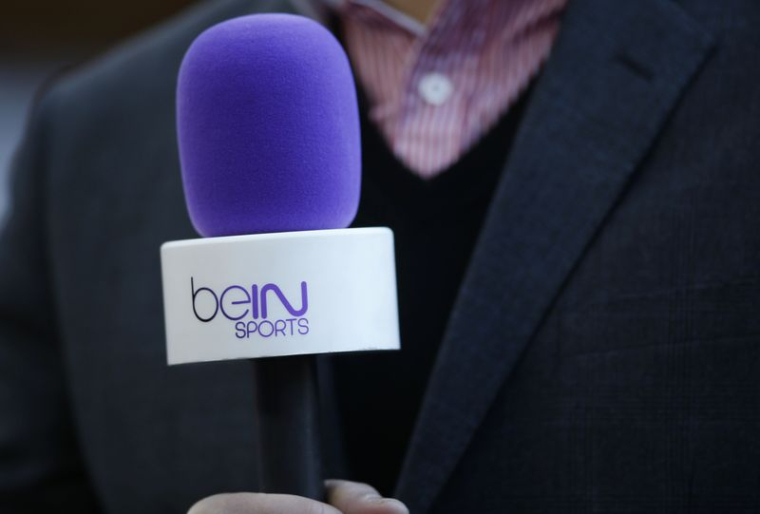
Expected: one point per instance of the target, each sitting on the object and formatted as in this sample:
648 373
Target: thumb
259 503
357 498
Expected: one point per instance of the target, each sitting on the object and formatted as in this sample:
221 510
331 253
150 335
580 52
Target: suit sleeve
40 467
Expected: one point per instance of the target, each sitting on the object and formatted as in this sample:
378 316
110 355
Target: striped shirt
436 89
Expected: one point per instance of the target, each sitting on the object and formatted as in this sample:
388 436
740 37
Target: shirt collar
407 22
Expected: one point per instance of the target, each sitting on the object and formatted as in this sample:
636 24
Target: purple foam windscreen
268 128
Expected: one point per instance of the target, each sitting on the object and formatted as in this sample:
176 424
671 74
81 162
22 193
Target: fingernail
394 505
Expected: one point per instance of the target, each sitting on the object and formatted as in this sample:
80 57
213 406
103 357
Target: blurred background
42 39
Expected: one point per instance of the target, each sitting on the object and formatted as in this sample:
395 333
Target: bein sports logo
249 309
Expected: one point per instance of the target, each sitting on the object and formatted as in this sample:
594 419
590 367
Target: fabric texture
244 88
602 353
435 90
438 217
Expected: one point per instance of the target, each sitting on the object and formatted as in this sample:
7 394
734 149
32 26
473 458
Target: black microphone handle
287 413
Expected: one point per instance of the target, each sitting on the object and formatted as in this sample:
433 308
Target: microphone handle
288 425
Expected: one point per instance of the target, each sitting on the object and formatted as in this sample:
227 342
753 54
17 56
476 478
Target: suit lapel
615 74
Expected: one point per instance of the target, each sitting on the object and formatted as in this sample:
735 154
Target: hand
343 497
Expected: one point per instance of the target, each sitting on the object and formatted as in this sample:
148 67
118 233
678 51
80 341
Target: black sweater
436 223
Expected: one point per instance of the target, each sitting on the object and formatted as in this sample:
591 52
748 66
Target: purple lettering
303 326
269 331
288 306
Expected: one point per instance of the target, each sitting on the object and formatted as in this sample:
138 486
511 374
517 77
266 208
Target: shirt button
435 88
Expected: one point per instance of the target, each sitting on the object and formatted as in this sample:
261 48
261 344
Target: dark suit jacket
604 351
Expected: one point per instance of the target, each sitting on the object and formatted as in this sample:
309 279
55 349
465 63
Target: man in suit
579 286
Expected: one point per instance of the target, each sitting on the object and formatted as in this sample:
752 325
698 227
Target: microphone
269 146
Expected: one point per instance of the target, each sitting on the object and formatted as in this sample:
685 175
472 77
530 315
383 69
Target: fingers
344 498
259 503
357 498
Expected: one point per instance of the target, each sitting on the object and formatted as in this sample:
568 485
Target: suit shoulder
141 72
725 16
